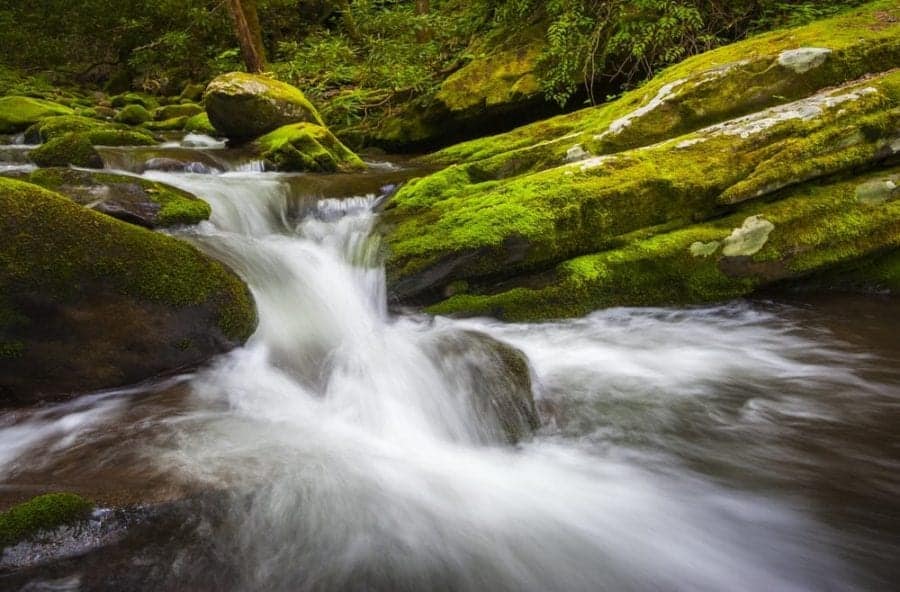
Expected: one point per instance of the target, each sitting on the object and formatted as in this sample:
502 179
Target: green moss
55 246
173 111
117 137
530 221
99 133
71 149
132 98
133 115
199 124
45 512
18 113
171 125
176 206
307 147
493 79
712 87
814 228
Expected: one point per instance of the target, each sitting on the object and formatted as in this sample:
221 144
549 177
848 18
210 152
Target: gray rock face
804 59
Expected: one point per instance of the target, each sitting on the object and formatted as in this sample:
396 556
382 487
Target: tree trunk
423 35
249 36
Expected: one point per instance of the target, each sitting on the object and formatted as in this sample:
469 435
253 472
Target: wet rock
88 302
497 375
147 203
176 545
245 106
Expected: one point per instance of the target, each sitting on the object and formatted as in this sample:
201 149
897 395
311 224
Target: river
751 445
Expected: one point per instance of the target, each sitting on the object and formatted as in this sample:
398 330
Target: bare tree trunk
246 29
422 9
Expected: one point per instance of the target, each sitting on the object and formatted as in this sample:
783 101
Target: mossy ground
52 246
307 147
44 512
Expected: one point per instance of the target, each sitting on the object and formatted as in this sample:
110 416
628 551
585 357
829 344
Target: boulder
70 149
133 98
89 302
133 115
98 133
18 113
306 147
245 106
497 377
168 125
200 124
514 213
140 201
180 110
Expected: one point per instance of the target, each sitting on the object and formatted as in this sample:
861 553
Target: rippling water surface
746 446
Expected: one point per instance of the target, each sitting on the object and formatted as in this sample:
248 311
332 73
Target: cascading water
354 458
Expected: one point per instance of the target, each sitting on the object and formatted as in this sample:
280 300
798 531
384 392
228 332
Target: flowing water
746 446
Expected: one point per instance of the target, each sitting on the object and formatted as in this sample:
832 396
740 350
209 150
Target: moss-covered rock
180 110
89 302
98 133
306 147
42 513
245 106
168 125
133 98
132 199
192 92
133 115
200 124
18 113
70 149
463 223
813 228
709 88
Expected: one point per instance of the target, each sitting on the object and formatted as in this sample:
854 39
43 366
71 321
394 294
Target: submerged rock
245 106
18 113
497 375
40 514
131 199
88 302
306 147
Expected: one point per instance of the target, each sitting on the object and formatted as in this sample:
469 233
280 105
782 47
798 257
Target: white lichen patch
688 143
700 249
576 153
804 109
592 163
665 94
804 59
877 192
749 238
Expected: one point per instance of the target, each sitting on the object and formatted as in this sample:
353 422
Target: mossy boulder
245 106
192 92
461 224
70 149
98 133
809 230
180 110
200 124
18 113
132 98
89 302
42 513
140 201
168 125
306 147
133 115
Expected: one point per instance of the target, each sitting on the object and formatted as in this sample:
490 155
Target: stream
752 445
